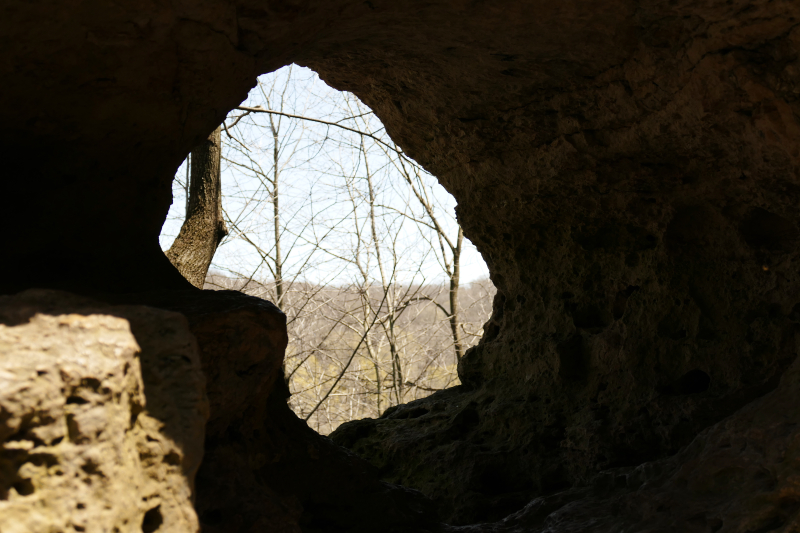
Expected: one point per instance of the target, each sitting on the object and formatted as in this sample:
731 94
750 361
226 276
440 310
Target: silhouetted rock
742 474
264 469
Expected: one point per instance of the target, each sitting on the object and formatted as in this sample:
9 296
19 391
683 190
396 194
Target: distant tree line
340 363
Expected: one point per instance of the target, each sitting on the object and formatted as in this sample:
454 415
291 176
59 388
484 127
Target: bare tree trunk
453 270
204 227
377 387
276 216
388 291
455 276
374 358
186 183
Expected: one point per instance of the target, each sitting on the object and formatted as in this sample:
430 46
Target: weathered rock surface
102 414
637 205
741 475
263 468
628 168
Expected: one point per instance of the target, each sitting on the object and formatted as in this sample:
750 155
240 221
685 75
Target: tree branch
375 138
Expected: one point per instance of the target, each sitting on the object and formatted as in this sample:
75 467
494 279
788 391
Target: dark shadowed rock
742 474
264 469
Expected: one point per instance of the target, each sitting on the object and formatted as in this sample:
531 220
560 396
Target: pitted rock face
99 432
263 468
742 474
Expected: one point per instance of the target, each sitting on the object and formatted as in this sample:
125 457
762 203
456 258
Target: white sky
323 193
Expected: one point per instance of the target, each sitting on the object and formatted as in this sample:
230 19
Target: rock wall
263 468
98 432
628 168
742 474
639 217
106 410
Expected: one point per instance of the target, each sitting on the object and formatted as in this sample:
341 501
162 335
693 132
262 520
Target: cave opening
329 219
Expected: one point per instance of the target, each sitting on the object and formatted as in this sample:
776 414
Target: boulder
102 415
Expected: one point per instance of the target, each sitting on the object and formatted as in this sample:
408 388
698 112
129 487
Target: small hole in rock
573 359
24 487
694 382
90 467
172 458
77 400
90 383
43 459
19 435
152 520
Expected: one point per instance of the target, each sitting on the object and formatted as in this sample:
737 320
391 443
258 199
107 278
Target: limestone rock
264 469
102 411
740 475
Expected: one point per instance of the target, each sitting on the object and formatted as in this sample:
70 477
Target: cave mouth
353 240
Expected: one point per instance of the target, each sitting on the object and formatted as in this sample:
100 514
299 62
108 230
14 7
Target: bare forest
301 198
341 366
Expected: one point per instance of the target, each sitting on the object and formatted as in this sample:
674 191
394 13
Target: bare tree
450 249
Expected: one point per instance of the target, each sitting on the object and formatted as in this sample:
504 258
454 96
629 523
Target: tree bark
204 227
276 215
397 369
455 283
